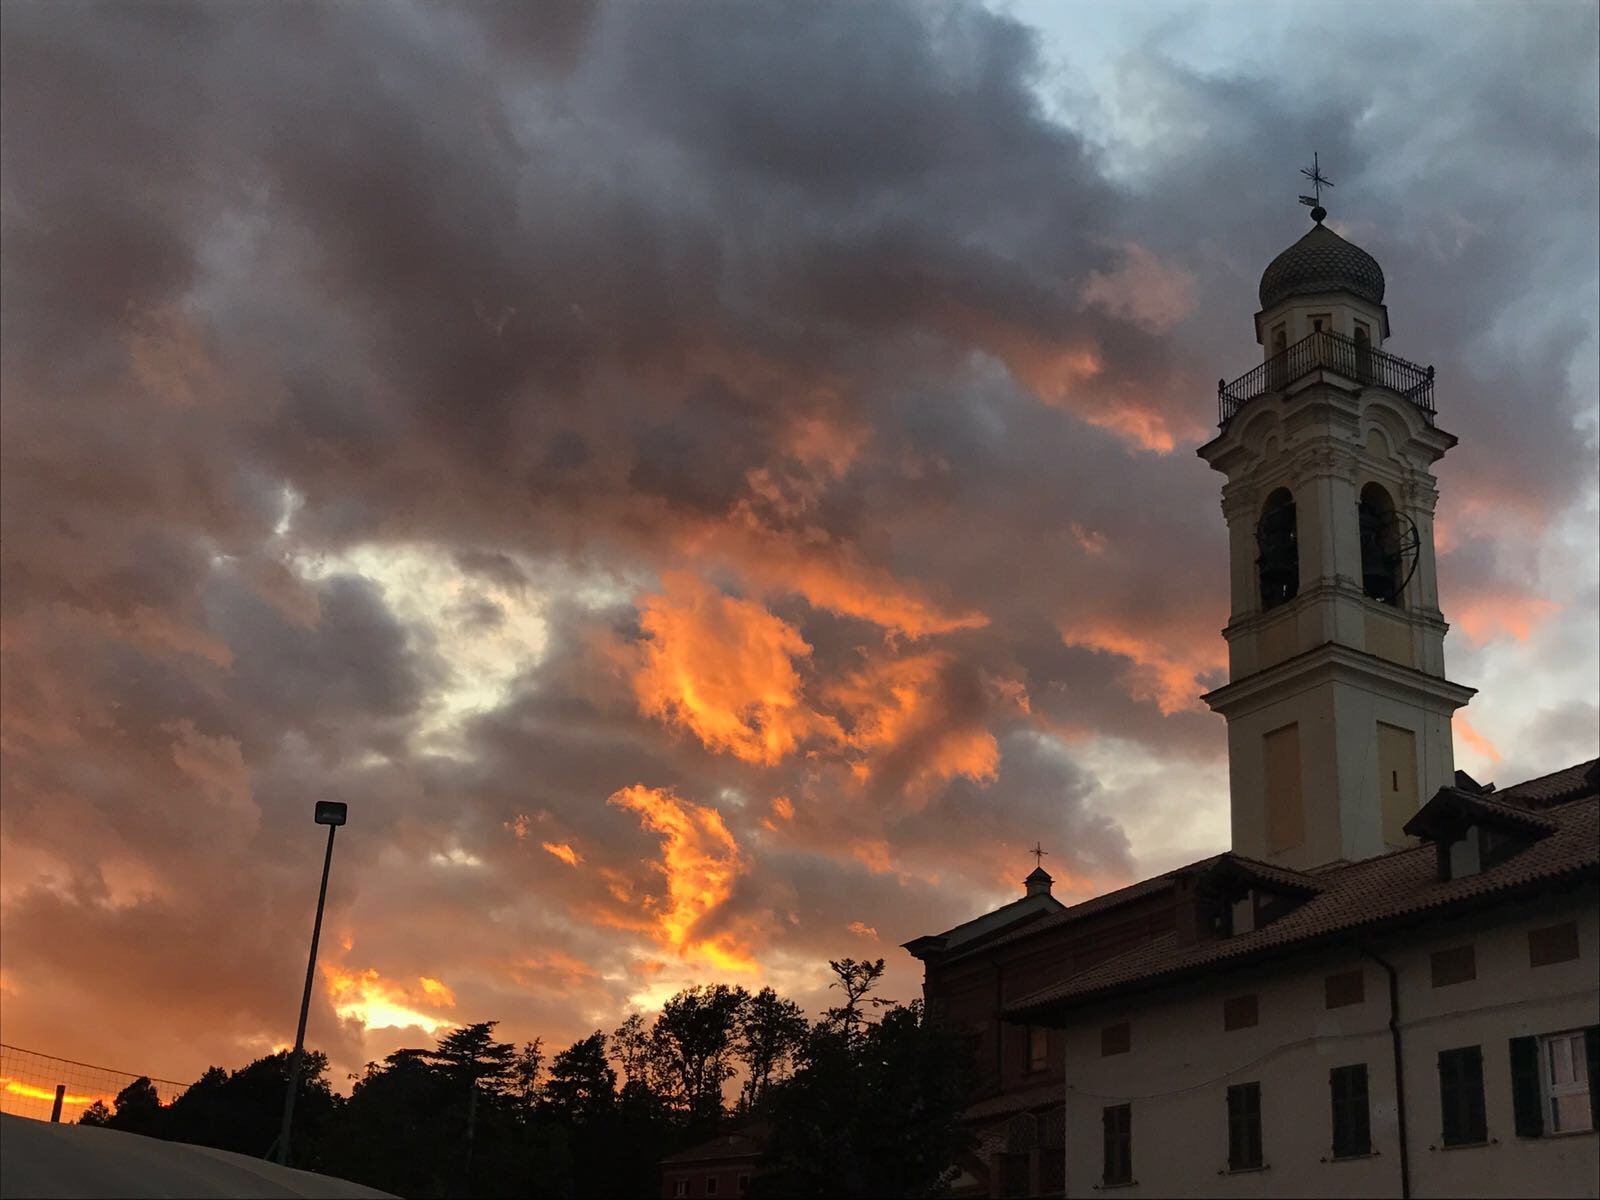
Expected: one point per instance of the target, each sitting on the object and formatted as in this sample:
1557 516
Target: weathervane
1318 182
1039 853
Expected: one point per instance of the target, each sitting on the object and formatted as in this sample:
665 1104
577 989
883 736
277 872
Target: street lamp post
332 814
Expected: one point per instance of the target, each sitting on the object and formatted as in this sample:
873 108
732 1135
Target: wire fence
29 1080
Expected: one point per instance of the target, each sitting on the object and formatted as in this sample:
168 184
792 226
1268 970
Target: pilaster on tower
1337 704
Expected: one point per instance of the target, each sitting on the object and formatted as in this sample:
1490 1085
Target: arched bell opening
1382 559
1277 550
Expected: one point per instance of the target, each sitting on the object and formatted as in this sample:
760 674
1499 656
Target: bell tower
1337 704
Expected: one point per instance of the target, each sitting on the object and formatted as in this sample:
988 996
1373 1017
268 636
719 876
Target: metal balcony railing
1323 349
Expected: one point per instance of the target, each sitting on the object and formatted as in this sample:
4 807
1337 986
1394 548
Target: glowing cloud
700 862
1165 674
1473 740
723 669
378 1003
892 703
564 852
1491 614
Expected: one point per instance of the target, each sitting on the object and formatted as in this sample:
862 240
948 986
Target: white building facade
1391 985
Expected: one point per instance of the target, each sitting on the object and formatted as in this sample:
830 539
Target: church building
1391 985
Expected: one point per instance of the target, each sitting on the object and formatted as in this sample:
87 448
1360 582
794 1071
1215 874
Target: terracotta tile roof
1043 1096
1452 808
1265 872
1355 897
738 1145
1556 787
1077 912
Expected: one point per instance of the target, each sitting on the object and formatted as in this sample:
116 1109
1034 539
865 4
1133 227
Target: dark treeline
863 1102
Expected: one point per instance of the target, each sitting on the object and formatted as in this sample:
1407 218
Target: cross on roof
1039 853
1318 181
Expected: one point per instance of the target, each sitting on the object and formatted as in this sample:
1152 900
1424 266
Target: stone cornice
1326 591
1331 662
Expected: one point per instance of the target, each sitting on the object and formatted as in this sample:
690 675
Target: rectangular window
1455 965
744 1184
1558 943
1114 1039
711 1185
1118 1121
1461 1096
1244 1127
1239 1012
1352 1125
680 1187
1345 988
1038 1047
1566 1082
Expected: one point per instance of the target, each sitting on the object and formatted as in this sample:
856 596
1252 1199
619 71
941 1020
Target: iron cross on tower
1039 853
1318 182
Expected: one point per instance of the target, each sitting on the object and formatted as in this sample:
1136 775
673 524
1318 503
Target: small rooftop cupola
1038 881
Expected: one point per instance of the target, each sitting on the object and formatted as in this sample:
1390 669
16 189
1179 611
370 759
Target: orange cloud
27 1091
379 1003
1473 740
1168 675
782 810
700 862
723 669
825 574
438 992
564 852
519 825
1089 540
863 930
555 971
890 702
874 856
1486 615
1142 289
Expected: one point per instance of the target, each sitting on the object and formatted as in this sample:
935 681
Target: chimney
1194 911
1038 882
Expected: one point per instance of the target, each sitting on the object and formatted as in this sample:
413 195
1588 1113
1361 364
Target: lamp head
331 812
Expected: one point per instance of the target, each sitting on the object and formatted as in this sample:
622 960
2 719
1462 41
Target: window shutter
1450 1097
1472 1080
1527 1099
1591 1056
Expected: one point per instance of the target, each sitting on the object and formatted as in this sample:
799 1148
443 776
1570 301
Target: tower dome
1322 261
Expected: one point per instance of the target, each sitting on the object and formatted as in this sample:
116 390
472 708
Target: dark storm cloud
815 303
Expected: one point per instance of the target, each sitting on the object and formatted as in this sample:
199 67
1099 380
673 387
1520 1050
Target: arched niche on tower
1382 567
1277 550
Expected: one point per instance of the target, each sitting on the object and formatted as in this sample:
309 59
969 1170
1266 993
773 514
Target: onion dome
1322 261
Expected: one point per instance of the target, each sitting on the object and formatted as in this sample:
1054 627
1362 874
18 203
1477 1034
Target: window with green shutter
1527 1092
1352 1124
1244 1127
1461 1096
1118 1122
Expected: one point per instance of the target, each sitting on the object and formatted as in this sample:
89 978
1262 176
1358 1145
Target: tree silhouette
856 980
138 1108
874 1111
522 1080
581 1087
694 1037
771 1030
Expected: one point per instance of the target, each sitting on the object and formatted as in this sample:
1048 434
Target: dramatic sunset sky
708 484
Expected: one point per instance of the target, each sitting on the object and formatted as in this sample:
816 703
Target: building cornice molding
1330 663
